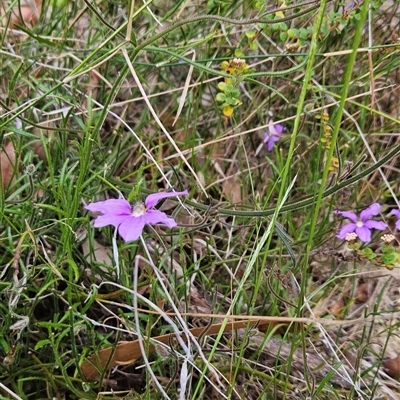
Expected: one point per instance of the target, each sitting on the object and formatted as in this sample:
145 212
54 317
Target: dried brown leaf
336 308
392 367
127 353
7 164
100 253
363 293
26 13
232 190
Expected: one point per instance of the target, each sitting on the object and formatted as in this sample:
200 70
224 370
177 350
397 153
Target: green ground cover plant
199 199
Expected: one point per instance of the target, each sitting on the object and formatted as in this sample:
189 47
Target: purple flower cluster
362 226
130 221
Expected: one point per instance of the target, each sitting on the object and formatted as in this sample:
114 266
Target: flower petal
363 233
346 229
347 214
270 140
274 129
395 213
154 198
153 217
111 207
132 228
109 219
371 224
371 211
270 144
113 212
278 128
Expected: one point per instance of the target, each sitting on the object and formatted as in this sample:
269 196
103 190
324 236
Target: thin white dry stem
360 50
130 21
246 156
160 124
185 87
184 380
151 13
115 252
370 62
103 325
10 392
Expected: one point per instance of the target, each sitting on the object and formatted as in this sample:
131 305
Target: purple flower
352 4
131 221
396 213
361 226
272 135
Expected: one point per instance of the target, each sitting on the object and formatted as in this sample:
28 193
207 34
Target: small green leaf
389 259
230 101
275 27
42 343
283 27
220 97
253 46
239 53
369 253
222 86
234 92
292 33
303 33
250 34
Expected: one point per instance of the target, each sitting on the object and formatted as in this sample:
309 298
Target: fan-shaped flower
362 225
130 221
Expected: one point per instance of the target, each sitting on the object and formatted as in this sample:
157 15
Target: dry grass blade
185 90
